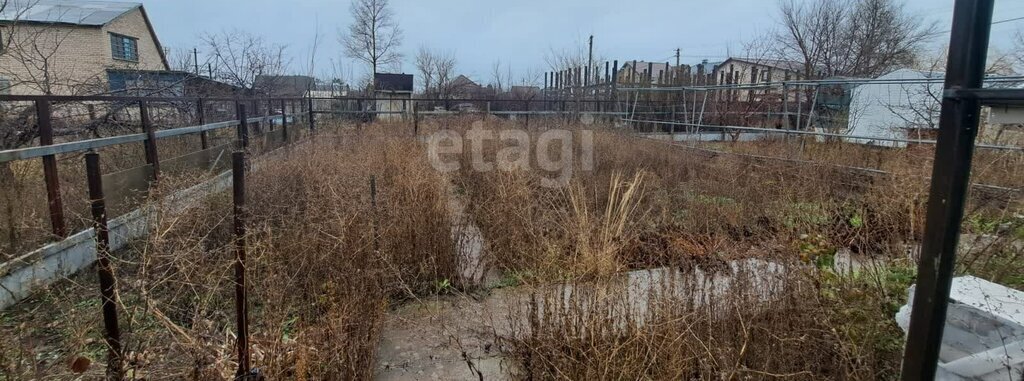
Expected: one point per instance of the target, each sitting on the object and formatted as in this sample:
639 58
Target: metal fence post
108 285
243 126
312 121
241 305
152 158
284 121
201 114
53 197
958 127
526 110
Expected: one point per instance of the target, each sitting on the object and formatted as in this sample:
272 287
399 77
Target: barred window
124 47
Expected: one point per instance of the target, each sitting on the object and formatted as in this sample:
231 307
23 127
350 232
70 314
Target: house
704 73
206 87
464 88
524 92
893 110
752 71
76 47
394 95
283 86
325 92
653 73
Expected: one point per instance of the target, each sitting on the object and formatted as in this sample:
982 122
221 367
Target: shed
903 104
394 95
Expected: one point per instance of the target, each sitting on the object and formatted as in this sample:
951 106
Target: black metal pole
201 115
284 121
108 285
241 305
50 177
243 126
152 158
312 120
958 127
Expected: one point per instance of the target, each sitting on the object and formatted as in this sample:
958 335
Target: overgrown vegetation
661 262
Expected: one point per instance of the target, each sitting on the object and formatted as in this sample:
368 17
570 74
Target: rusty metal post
152 158
53 197
108 285
614 89
241 305
201 115
284 121
415 119
312 120
243 126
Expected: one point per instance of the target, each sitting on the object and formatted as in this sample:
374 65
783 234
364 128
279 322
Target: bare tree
437 70
501 78
28 57
425 66
374 37
853 38
239 57
181 60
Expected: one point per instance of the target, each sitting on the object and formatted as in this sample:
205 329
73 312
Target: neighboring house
524 92
703 73
749 71
394 95
653 73
283 86
323 94
206 87
77 47
465 88
896 110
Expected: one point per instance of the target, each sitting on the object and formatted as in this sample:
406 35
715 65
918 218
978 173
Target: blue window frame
124 48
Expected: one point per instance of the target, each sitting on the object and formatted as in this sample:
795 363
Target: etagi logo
556 151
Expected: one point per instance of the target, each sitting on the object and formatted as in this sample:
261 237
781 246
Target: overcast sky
518 32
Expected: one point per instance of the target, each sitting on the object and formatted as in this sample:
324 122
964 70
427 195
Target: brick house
749 71
71 47
652 73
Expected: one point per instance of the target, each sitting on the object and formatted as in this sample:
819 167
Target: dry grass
324 265
704 210
325 262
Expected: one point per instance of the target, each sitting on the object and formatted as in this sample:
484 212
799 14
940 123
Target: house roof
462 82
392 82
77 12
641 66
284 85
778 64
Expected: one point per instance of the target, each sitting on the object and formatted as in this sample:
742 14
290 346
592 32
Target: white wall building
893 110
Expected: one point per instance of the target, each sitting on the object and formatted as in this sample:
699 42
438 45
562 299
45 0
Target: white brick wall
76 57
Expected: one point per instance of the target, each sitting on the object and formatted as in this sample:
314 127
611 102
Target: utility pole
590 59
195 59
675 71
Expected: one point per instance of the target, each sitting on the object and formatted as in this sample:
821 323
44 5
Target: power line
993 23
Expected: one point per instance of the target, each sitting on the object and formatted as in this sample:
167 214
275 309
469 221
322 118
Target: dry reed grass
324 265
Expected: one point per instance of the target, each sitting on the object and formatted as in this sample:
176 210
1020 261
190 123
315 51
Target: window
3 42
124 47
5 86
